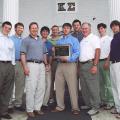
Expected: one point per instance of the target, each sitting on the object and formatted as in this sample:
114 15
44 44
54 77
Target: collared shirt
88 45
105 46
7 49
54 41
74 46
33 48
17 43
115 48
78 35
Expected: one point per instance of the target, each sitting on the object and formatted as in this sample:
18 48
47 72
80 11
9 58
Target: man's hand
26 71
106 65
93 70
63 58
47 67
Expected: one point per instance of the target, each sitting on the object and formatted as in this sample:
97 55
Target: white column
11 11
114 6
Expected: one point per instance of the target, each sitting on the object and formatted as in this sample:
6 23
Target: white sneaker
93 112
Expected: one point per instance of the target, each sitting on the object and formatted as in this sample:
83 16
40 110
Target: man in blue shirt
67 71
44 33
19 74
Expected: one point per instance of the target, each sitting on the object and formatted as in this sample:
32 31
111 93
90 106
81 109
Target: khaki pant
115 79
47 87
66 72
7 73
35 86
89 86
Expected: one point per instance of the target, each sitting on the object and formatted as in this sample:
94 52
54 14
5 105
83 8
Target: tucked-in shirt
33 48
115 48
88 45
105 46
78 35
7 49
17 43
74 46
53 41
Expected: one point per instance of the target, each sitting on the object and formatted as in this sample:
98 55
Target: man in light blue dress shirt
19 74
67 71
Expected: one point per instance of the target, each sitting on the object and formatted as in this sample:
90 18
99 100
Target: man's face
77 27
115 29
55 31
34 30
102 31
19 30
66 30
86 30
6 29
44 34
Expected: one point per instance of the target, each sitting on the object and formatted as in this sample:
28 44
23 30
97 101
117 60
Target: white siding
44 12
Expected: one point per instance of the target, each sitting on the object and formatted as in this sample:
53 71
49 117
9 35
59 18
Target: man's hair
115 22
76 20
33 23
45 28
19 24
6 23
87 24
55 26
101 25
67 25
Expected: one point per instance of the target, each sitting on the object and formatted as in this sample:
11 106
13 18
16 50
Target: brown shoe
30 114
117 116
75 112
57 109
37 112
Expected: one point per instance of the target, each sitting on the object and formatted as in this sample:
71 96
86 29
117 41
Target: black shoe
20 108
6 116
10 110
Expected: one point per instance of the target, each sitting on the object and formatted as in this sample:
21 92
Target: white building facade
45 12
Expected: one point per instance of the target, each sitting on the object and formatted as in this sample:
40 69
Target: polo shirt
88 45
33 48
115 48
105 42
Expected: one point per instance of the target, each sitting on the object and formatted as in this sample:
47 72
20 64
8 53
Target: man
7 62
115 65
54 37
67 71
104 74
44 33
19 74
89 58
77 30
33 58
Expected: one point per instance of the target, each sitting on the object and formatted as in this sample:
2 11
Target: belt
5 61
18 60
86 62
103 59
35 61
115 61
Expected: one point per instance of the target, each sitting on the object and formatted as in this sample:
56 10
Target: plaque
62 50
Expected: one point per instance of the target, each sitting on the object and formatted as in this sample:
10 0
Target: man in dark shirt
115 65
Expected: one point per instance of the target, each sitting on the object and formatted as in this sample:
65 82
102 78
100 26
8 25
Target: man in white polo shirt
104 72
89 57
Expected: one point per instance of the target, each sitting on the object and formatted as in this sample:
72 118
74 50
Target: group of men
28 64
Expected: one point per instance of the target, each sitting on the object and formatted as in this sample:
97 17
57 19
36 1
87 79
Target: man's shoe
75 112
114 111
51 101
58 109
31 114
6 116
20 108
10 110
85 107
37 113
108 107
93 112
